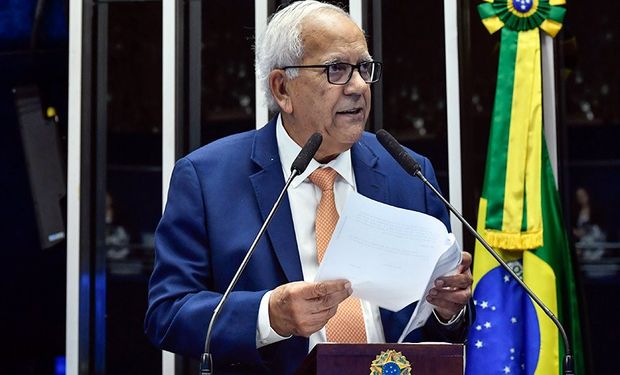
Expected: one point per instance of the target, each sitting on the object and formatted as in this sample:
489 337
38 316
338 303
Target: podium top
423 358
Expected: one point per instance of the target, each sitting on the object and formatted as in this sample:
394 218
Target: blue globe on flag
506 328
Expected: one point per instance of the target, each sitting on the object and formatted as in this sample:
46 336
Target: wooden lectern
424 359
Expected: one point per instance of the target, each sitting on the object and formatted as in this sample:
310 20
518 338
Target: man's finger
324 288
459 296
460 281
465 262
329 301
453 307
313 323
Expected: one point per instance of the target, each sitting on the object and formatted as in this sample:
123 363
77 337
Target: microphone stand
411 166
568 358
298 167
206 360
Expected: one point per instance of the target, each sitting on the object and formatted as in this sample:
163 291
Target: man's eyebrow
332 60
366 58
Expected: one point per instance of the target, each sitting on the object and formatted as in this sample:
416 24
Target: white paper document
390 255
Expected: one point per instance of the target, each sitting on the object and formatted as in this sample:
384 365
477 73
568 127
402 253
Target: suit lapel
369 180
267 183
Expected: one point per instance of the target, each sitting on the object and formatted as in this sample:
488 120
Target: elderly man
317 72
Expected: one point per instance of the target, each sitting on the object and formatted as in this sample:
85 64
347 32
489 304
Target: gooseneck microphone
411 166
298 167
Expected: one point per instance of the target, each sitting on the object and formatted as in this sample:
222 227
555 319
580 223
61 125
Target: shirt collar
289 150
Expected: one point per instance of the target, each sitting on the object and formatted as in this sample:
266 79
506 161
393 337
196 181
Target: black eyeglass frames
340 73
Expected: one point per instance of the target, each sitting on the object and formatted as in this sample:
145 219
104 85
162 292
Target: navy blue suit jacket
219 197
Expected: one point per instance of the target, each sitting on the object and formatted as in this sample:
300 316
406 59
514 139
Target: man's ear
278 84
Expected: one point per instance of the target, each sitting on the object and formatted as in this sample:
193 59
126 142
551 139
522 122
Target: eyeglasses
340 73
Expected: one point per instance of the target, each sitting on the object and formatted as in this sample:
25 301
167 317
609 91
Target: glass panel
133 194
590 87
227 69
414 104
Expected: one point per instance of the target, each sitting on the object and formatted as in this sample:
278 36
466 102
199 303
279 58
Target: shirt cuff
265 335
454 319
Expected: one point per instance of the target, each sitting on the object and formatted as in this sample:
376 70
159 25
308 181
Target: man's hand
451 293
302 308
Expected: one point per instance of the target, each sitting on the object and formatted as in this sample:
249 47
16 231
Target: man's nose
356 84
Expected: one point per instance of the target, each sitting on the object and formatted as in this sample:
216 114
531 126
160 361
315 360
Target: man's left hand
451 293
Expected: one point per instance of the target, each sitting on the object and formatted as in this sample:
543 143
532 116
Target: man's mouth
352 111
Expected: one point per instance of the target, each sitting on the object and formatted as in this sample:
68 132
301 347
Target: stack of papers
391 256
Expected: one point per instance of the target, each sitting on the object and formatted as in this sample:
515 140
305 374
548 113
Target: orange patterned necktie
347 326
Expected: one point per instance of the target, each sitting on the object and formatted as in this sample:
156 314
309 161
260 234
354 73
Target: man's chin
353 131
352 135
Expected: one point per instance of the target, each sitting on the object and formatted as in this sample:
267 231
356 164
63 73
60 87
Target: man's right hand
302 308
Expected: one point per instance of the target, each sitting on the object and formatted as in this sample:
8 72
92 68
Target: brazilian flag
519 212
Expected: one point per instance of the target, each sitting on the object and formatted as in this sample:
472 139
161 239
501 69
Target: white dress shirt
304 199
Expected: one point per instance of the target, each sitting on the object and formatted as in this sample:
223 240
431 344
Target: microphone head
409 164
307 153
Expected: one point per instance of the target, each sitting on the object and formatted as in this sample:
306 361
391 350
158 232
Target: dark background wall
32 317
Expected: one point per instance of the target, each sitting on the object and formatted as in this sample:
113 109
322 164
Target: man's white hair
281 44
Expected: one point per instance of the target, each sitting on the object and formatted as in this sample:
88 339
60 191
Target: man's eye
364 67
337 68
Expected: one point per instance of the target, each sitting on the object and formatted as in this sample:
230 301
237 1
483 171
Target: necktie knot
324 178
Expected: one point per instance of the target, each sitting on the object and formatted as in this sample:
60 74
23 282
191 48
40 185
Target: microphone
298 167
307 153
411 166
